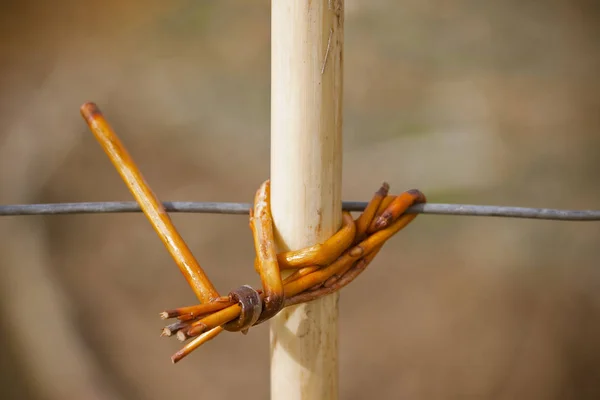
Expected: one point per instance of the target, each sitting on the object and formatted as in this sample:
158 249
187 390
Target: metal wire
244 208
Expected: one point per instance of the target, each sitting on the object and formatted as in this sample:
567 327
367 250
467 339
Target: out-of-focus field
470 101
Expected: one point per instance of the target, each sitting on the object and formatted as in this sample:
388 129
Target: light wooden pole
306 173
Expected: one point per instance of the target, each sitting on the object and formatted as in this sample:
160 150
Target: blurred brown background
470 101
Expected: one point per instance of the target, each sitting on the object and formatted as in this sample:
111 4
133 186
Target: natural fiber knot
318 270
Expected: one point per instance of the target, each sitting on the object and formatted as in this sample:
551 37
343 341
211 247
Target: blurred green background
470 101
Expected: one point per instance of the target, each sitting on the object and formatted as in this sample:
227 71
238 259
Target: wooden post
306 173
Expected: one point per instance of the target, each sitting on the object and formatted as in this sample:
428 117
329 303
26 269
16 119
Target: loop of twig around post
319 270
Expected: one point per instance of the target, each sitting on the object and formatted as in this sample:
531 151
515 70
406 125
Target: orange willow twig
261 223
361 225
364 220
321 253
353 254
195 343
151 206
194 311
334 283
300 273
397 207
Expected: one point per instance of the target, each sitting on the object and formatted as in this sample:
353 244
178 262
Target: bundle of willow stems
318 270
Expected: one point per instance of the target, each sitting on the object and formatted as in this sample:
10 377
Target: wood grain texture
306 172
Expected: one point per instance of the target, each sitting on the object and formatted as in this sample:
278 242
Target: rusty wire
244 208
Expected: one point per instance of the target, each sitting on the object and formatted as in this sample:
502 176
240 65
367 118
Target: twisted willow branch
317 270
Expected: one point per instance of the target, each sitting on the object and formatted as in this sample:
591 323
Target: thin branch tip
164 315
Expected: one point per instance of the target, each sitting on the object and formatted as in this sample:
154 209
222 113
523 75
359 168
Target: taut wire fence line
112 207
